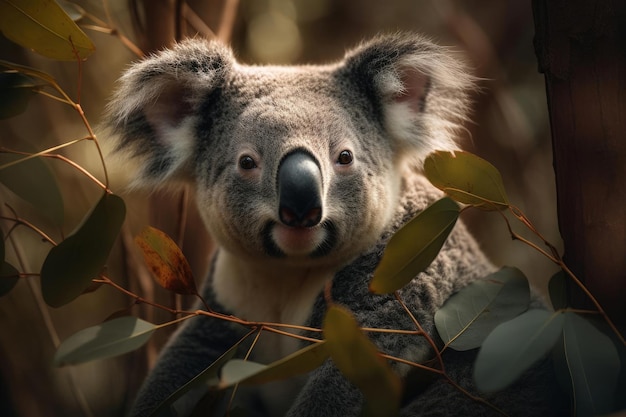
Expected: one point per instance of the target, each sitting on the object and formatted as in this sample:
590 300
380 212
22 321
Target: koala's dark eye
345 158
246 162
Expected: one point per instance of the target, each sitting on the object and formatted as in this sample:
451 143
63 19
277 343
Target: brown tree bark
581 49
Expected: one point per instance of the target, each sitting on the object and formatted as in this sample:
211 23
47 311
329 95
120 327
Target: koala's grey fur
193 114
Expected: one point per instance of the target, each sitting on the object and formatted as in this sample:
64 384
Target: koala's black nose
299 190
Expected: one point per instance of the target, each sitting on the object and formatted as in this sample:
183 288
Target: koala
302 174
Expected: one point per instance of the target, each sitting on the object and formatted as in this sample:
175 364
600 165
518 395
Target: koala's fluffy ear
153 113
417 88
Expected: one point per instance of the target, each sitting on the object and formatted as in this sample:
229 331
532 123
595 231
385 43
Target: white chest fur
268 293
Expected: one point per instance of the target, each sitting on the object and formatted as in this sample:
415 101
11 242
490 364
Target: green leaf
593 364
358 360
467 318
8 278
514 346
33 181
466 178
8 274
237 370
557 288
166 261
70 266
413 248
15 91
28 71
43 26
207 377
111 338
249 373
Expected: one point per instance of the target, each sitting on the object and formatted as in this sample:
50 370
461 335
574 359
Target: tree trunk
581 48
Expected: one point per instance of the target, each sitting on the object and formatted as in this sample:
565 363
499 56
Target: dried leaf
166 261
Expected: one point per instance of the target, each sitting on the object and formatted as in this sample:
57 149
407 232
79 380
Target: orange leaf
166 261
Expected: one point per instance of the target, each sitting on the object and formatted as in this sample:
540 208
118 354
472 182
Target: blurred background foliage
509 128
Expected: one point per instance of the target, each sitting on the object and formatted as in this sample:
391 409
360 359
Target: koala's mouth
280 241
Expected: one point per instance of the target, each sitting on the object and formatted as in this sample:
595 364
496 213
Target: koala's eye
345 158
246 162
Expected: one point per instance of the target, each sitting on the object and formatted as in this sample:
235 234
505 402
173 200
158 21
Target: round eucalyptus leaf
514 346
593 363
467 318
466 178
69 267
111 338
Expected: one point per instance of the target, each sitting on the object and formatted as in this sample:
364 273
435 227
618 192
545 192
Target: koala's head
301 164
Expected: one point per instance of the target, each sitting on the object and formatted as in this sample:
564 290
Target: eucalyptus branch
109 28
102 279
429 339
595 302
93 137
412 364
53 97
81 170
175 321
473 397
236 387
526 221
557 259
442 373
37 154
45 313
20 221
295 336
515 236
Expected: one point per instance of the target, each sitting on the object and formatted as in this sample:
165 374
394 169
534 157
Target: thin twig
19 221
430 341
411 363
594 301
472 396
82 170
236 387
556 258
93 137
53 97
516 236
49 324
138 299
296 336
175 321
38 154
